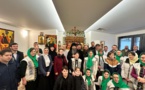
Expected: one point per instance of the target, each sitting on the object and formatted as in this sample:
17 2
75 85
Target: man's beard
74 51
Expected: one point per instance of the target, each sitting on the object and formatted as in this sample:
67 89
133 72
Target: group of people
79 68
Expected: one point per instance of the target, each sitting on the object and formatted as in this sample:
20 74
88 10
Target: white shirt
105 53
47 60
96 52
15 55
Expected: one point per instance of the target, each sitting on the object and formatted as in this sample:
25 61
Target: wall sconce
24 33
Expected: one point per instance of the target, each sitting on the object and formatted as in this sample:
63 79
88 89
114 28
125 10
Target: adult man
105 50
65 51
92 46
114 49
79 49
8 80
85 50
17 55
135 49
97 48
125 51
36 45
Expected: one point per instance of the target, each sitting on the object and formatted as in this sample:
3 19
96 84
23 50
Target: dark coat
85 53
92 49
20 56
42 67
79 83
112 66
8 78
138 52
59 62
40 51
53 54
61 83
125 53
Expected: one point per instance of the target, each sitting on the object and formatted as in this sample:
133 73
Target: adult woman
91 63
119 57
29 70
112 64
100 59
117 83
59 62
52 53
127 68
138 72
89 80
104 79
45 66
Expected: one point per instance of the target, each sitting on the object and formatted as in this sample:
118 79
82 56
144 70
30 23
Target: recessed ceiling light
100 29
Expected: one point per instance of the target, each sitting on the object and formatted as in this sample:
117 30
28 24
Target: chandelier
75 32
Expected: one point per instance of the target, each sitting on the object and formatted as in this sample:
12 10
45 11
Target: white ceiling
82 13
31 14
128 15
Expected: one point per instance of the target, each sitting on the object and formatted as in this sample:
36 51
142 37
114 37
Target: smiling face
88 73
6 57
14 47
118 53
101 51
61 52
116 78
77 72
131 57
52 48
86 47
90 53
106 75
143 58
46 51
33 52
111 56
77 55
114 47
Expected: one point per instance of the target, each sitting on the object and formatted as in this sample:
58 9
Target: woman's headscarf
33 58
142 63
105 81
99 54
121 83
118 56
134 59
90 61
88 78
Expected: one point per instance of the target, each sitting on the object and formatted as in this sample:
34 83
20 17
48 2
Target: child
117 83
89 80
104 79
78 80
64 81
